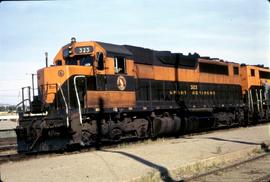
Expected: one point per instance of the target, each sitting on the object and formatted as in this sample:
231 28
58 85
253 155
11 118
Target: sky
232 30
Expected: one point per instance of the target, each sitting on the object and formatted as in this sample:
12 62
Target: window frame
116 65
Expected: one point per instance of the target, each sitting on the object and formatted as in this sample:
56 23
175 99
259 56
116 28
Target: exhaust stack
46 58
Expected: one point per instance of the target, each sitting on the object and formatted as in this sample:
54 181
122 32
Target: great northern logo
61 73
121 83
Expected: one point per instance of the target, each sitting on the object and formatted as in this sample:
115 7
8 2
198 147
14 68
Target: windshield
80 60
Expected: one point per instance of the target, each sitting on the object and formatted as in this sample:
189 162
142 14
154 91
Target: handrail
60 88
77 96
29 97
261 100
22 103
257 100
251 101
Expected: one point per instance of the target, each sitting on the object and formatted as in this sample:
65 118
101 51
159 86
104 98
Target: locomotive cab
100 70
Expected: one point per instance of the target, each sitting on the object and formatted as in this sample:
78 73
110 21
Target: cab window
71 62
119 65
80 60
252 72
86 61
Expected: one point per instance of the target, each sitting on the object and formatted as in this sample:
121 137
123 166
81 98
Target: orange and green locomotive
98 92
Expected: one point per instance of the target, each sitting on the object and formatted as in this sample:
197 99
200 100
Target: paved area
131 162
8 124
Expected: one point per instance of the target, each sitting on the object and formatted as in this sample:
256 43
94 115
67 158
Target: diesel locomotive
96 92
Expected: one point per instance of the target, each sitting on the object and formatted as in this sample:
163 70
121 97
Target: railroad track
8 144
256 169
8 147
11 157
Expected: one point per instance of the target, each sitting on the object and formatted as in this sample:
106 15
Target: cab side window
58 62
252 72
235 70
119 65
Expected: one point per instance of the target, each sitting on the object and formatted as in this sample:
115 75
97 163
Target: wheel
115 134
88 138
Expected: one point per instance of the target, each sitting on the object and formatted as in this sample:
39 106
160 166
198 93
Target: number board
83 50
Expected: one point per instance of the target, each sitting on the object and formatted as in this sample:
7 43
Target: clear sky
233 30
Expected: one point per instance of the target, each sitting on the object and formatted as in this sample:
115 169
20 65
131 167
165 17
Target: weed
218 150
256 151
150 177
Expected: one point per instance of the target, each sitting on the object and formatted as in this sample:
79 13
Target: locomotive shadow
264 146
234 141
163 171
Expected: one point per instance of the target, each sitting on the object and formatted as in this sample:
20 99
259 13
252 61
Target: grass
256 151
183 172
152 176
4 113
141 142
195 169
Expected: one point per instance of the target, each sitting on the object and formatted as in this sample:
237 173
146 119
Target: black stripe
192 93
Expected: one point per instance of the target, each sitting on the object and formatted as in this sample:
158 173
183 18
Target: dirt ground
165 157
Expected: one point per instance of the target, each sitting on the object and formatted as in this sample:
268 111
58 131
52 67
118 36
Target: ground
172 158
